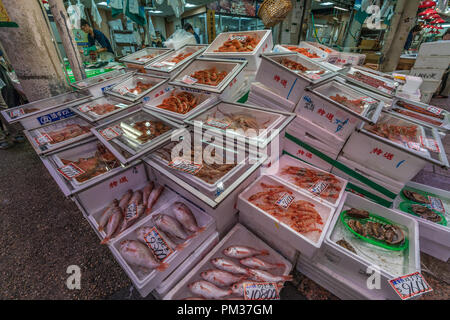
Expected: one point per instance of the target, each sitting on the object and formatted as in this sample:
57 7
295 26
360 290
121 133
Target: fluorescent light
326 3
155 11
339 8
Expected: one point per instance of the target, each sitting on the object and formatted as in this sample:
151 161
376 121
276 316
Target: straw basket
272 12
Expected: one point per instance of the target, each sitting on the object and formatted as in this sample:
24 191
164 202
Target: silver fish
125 199
153 197
228 265
186 217
238 288
106 214
221 278
146 192
137 254
241 252
261 275
256 263
113 223
208 290
170 225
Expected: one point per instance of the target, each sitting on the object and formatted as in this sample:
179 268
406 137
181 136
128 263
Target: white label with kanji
16 113
217 123
241 38
411 285
43 139
110 133
434 110
261 291
188 79
157 244
319 187
85 108
70 171
185 165
131 211
436 204
285 200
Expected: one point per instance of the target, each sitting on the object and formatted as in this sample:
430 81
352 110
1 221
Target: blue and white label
55 116
436 204
107 87
285 200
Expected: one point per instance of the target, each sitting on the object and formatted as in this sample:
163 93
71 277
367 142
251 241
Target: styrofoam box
434 238
204 100
239 235
146 282
355 59
281 48
285 161
338 284
379 178
265 45
98 89
355 267
427 73
430 85
190 262
432 62
330 57
300 152
263 96
403 166
307 243
435 48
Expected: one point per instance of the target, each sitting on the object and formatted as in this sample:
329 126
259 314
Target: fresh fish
228 265
114 221
131 215
208 290
153 197
238 288
137 254
143 231
221 278
261 275
241 252
186 217
125 199
146 192
256 263
170 225
105 215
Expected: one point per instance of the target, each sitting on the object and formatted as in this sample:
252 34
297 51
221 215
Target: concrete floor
42 233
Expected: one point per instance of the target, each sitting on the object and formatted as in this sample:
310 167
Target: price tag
240 38
131 211
157 244
285 200
414 145
123 91
369 100
188 79
319 187
261 291
430 144
43 139
411 285
70 171
434 110
185 165
217 123
85 108
111 132
16 113
313 76
436 204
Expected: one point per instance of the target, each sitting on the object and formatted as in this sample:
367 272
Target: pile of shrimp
300 215
293 65
210 77
182 102
245 44
302 51
180 57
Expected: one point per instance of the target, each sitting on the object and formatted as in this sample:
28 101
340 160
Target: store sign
157 244
261 291
285 200
411 285
55 116
70 171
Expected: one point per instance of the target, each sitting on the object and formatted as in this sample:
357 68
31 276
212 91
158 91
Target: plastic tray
120 90
135 58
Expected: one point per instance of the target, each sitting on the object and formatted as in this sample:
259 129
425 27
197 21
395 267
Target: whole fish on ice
241 252
115 219
228 265
106 214
134 210
170 225
125 199
137 254
221 278
153 197
186 217
146 192
208 290
257 263
261 275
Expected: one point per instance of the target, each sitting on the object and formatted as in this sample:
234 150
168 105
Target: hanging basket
272 12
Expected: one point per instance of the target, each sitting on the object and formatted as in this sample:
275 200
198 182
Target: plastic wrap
179 38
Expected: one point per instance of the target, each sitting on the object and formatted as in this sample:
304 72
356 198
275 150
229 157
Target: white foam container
145 283
131 62
168 283
263 96
354 59
254 60
311 49
434 238
107 81
329 57
301 242
239 235
432 62
354 267
428 73
285 160
430 85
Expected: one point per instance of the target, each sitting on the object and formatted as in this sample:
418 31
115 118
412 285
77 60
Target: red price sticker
430 144
111 132
85 108
411 285
434 110
16 113
261 291
185 165
285 200
70 171
313 76
157 244
43 139
188 79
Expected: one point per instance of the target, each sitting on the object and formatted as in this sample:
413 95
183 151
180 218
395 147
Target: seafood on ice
256 263
101 162
68 132
235 121
210 77
221 278
101 109
208 290
356 105
343 243
140 87
306 178
417 109
242 252
426 213
181 102
148 129
229 265
239 43
416 197
417 116
293 65
304 51
397 133
145 57
373 82
180 57
139 255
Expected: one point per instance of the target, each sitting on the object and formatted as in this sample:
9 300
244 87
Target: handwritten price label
261 291
188 79
70 171
429 144
313 76
237 37
434 110
131 211
411 285
436 204
43 139
285 200
319 187
185 165
85 108
16 113
111 132
157 244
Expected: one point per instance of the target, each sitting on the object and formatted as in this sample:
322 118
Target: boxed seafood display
234 269
97 85
40 112
153 248
318 184
137 86
338 108
56 135
139 59
288 74
381 84
178 104
395 147
100 109
263 96
295 217
217 76
351 58
247 45
303 49
431 208
168 65
135 134
366 235
80 165
330 55
422 113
